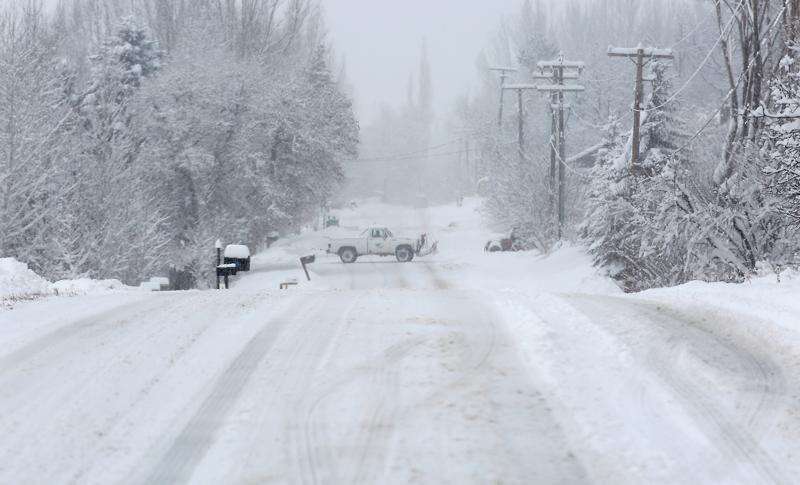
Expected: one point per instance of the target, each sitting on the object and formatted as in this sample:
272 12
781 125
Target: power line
697 71
727 96
421 151
437 155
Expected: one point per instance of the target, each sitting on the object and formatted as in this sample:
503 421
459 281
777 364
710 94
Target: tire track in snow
733 433
190 446
65 333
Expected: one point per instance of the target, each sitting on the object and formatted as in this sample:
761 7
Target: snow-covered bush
85 286
18 282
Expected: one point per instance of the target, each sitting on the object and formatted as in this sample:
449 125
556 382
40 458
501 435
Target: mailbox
305 260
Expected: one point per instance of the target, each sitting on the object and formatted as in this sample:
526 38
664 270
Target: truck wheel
348 255
404 254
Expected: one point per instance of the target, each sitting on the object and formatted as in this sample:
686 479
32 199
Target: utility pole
468 166
504 74
641 56
558 72
520 89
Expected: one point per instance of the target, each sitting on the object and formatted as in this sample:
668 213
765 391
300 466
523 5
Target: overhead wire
742 75
420 151
674 96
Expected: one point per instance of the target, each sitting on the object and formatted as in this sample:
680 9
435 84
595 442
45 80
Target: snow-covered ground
463 367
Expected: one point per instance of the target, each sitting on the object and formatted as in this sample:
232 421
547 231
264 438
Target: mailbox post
224 271
305 260
218 246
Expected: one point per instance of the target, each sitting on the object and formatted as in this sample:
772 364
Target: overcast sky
381 40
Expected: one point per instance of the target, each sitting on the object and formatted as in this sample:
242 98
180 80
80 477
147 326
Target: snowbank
86 286
769 303
18 282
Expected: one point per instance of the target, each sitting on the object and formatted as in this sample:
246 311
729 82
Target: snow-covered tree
636 225
32 142
784 134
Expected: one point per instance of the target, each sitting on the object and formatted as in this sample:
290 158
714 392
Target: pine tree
661 135
533 44
637 222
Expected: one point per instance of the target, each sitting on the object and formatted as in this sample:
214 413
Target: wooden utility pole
558 72
504 74
520 89
641 56
471 174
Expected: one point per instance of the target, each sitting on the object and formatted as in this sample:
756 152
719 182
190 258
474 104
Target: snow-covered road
462 368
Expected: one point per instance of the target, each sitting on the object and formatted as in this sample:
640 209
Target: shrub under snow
17 282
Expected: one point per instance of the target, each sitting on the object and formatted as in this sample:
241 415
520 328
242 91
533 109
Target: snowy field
463 367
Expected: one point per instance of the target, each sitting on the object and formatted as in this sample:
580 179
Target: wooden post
637 110
218 246
562 150
641 57
520 126
519 88
553 154
504 72
502 96
558 71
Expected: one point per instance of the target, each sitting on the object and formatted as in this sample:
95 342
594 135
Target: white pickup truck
381 242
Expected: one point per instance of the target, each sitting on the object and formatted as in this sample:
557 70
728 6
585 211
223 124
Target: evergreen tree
636 225
533 44
661 134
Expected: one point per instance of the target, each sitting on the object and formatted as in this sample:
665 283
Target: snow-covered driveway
463 368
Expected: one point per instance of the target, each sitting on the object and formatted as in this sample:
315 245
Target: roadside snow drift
17 282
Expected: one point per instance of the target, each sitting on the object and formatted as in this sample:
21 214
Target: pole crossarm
651 52
561 63
560 88
520 87
553 75
503 70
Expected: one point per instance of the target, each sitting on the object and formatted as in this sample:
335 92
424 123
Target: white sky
381 40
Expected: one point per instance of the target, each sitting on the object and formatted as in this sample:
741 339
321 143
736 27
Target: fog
381 43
